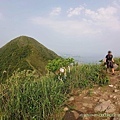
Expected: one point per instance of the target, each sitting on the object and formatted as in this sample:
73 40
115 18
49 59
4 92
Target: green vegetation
24 53
117 61
26 96
56 64
88 75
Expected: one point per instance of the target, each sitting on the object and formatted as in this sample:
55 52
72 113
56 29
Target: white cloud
75 11
104 17
56 11
91 22
67 27
116 3
102 14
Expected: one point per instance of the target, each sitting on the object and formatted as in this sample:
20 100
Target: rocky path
98 103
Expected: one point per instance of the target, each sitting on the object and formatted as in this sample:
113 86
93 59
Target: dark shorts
110 64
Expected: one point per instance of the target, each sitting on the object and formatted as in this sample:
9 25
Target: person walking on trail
109 61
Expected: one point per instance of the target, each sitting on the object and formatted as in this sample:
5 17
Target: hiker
109 61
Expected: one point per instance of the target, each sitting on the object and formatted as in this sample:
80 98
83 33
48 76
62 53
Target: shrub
117 61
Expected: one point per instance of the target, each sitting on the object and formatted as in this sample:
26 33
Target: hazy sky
83 27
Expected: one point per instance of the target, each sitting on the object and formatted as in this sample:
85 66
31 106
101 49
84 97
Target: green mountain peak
24 53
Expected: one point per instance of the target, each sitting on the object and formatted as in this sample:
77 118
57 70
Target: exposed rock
90 106
104 100
101 100
95 93
111 108
99 88
96 99
115 66
116 103
102 106
106 106
71 99
116 90
115 97
83 108
85 97
110 85
76 114
87 105
116 118
66 109
111 96
105 96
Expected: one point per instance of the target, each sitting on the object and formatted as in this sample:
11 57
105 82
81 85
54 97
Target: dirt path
98 103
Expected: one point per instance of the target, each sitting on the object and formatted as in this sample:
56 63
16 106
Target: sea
84 59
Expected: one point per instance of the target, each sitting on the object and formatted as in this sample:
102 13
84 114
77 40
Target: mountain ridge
25 53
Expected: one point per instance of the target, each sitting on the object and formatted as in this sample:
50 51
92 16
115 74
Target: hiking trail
97 103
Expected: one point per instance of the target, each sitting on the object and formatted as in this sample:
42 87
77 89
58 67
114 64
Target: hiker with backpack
109 61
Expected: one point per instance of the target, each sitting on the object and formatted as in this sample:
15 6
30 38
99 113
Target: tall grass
88 75
25 96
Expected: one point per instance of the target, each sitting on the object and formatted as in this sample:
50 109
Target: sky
77 27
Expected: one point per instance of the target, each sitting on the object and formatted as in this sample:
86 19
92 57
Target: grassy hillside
24 53
25 97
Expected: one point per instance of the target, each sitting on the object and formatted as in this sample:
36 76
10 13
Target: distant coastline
85 59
